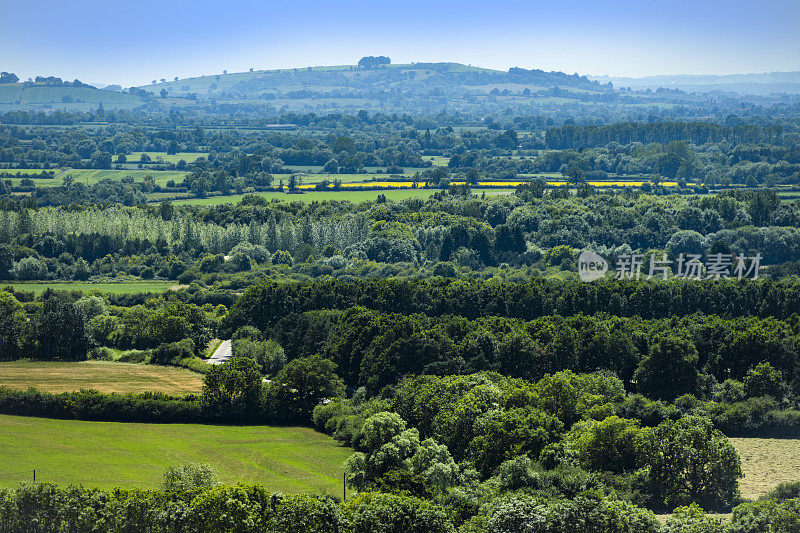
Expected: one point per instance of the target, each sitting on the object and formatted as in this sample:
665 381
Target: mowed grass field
134 287
131 455
104 376
765 463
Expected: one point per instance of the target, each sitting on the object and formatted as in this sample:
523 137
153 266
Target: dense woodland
447 340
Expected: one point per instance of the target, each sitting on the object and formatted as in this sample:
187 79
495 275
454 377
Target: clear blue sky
135 42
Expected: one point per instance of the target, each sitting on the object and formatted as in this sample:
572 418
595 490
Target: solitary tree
690 461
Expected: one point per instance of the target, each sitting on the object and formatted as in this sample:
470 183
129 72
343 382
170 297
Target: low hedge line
93 405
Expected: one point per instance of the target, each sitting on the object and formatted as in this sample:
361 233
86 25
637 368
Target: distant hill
404 88
407 87
755 84
33 96
446 76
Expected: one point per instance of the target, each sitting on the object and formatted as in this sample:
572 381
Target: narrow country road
221 354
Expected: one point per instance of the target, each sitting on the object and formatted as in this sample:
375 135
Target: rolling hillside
15 96
408 87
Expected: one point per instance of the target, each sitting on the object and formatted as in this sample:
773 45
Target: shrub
268 354
167 354
189 476
282 257
764 380
372 512
30 268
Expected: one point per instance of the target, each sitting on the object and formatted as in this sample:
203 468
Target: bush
282 257
784 491
92 306
101 353
30 268
764 380
268 354
189 477
692 519
372 512
133 356
168 354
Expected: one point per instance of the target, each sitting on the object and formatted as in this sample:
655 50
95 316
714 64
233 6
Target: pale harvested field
767 462
104 376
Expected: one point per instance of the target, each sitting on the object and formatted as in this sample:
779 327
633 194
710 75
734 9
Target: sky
132 43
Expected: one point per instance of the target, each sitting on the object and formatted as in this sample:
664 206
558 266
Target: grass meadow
104 376
311 196
132 455
90 176
134 287
189 157
319 196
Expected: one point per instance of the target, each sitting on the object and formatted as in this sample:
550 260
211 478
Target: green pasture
311 196
131 455
189 157
90 176
135 287
16 96
319 196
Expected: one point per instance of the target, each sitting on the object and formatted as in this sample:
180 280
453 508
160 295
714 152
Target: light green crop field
189 157
134 287
131 455
104 376
311 196
349 196
437 160
25 171
315 176
90 176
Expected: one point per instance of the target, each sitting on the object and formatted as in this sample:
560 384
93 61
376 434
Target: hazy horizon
101 43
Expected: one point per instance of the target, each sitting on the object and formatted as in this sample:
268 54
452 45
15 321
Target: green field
26 171
104 376
311 196
115 454
189 157
318 196
90 176
16 96
113 288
